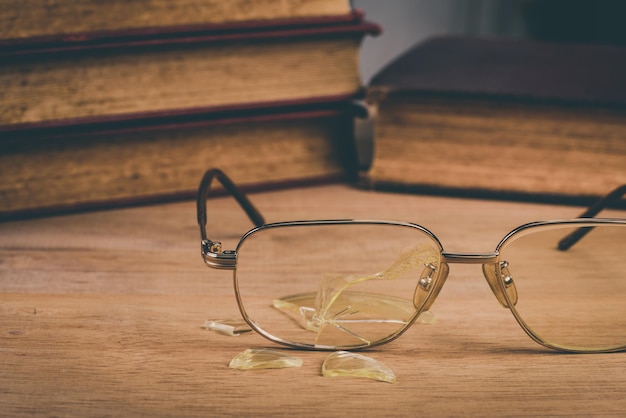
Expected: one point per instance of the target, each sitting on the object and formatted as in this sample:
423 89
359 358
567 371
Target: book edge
322 26
211 112
344 173
162 198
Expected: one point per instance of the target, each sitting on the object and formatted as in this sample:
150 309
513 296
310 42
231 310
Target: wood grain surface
101 315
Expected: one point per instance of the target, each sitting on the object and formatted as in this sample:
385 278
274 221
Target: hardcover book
69 168
66 83
501 116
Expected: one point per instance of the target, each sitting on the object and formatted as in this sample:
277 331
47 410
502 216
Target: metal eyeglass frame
494 270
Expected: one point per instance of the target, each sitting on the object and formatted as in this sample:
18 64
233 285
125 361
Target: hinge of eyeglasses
214 256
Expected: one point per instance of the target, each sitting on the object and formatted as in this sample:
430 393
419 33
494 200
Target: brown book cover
510 68
121 162
501 116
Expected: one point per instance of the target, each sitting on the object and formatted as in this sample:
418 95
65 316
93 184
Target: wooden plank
101 314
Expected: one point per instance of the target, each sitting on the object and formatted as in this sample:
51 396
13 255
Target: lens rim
530 228
327 222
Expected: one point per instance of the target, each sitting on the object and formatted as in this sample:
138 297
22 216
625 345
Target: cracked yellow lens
334 285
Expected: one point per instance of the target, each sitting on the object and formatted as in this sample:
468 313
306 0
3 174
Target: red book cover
267 29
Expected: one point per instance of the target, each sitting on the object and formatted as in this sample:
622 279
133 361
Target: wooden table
102 314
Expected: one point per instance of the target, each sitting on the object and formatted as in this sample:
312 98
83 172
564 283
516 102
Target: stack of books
109 103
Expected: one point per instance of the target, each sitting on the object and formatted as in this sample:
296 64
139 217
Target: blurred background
406 22
113 76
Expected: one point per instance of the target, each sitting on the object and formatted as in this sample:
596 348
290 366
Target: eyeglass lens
346 285
574 299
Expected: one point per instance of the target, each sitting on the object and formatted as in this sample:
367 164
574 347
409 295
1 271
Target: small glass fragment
345 363
426 318
263 358
230 327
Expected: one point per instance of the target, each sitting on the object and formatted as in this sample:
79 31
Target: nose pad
493 276
431 280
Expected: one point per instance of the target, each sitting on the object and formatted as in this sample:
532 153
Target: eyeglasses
352 284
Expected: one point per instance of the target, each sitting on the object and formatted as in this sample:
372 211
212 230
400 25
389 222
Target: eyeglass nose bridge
494 270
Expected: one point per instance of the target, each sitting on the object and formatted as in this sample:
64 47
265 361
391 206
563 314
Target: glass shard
263 358
345 363
426 318
340 308
230 327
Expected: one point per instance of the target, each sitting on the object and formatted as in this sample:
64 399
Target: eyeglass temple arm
203 193
613 197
